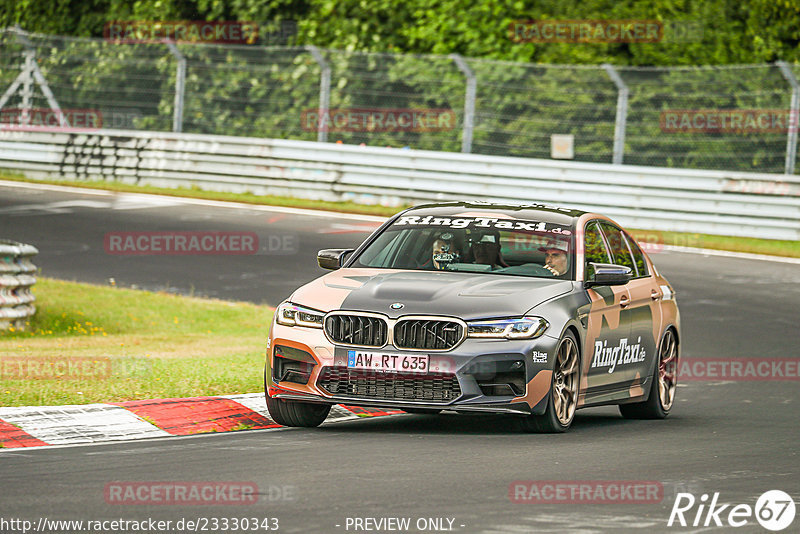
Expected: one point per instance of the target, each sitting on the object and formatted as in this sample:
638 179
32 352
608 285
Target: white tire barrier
17 276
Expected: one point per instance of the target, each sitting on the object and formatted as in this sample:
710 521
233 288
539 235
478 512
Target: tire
564 388
296 413
662 389
421 411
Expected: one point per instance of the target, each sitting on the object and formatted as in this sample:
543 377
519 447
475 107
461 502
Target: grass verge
102 344
771 247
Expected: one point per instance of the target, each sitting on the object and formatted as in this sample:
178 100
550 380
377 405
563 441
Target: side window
594 250
638 256
620 253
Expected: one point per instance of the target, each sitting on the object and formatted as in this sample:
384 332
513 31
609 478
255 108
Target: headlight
508 328
289 314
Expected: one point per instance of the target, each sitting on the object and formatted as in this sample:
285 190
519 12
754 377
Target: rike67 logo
774 510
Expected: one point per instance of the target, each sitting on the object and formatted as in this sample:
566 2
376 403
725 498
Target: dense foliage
394 54
734 31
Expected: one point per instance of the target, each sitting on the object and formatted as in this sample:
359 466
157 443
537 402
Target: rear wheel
563 397
296 413
662 389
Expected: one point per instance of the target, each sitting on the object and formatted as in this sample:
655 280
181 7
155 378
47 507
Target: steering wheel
541 270
531 269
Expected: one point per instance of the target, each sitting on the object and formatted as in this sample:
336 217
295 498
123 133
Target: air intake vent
427 334
346 382
358 330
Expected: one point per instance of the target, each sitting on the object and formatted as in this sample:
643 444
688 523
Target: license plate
388 362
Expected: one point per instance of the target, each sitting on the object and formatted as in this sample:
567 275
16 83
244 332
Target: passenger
443 252
487 251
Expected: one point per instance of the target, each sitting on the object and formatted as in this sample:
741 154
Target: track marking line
197 201
340 215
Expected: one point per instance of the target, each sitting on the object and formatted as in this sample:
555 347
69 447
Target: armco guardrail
670 116
16 278
685 200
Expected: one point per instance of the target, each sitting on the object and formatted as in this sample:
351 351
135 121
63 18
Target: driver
556 259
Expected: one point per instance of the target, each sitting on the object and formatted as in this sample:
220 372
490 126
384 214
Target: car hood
464 295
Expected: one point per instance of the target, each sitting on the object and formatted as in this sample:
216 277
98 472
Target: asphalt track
738 438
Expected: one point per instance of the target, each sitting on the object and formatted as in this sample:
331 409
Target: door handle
654 294
623 301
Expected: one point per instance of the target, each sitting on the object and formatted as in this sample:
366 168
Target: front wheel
563 397
296 413
662 390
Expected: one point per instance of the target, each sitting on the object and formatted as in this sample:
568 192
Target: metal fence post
180 88
469 102
27 86
324 92
30 73
794 109
622 114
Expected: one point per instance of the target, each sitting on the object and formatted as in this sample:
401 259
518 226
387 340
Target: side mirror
332 258
608 274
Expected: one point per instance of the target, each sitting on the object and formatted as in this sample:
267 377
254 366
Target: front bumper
479 375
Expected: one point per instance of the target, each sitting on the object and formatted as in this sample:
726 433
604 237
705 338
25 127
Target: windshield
473 244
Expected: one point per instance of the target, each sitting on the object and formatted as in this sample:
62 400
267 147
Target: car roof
535 212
